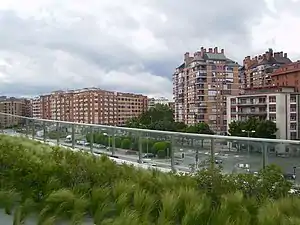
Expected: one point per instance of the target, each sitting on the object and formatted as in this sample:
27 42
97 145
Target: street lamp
248 134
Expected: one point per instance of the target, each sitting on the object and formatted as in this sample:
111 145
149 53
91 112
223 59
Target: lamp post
248 134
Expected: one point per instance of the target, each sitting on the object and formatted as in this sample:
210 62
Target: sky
129 45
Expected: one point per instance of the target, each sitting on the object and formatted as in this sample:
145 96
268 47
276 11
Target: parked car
148 156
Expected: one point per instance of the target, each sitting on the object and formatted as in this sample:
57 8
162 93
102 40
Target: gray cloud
117 47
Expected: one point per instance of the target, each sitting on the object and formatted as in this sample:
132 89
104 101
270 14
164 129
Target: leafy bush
126 144
58 184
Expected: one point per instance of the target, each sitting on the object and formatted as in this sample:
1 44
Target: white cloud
129 45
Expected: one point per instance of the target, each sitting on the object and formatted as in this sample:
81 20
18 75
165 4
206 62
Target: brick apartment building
288 75
13 106
91 105
200 86
258 70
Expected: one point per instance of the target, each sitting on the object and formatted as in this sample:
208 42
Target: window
293 135
293 117
272 99
272 117
293 108
293 99
233 101
272 108
293 126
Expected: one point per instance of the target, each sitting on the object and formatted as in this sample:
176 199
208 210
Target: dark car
289 176
148 156
218 161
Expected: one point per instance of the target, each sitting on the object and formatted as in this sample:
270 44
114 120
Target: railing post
212 153
173 147
73 135
140 153
92 139
264 154
44 132
113 142
57 134
27 127
33 129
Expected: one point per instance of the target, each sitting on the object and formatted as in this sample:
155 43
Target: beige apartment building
92 105
201 85
13 106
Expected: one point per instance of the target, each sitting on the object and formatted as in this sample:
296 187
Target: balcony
251 112
247 103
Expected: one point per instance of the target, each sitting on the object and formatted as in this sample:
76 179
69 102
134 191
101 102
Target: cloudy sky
131 45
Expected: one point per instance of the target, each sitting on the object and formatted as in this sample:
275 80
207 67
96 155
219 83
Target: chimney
186 56
222 51
203 50
271 51
285 55
281 54
216 50
210 50
197 54
255 58
268 55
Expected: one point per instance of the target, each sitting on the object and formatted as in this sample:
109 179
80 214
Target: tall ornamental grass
53 185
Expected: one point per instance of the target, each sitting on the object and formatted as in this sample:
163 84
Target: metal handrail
171 133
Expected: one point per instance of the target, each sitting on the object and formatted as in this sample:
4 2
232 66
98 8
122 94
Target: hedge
53 184
128 142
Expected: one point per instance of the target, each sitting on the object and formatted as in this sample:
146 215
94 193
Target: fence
176 151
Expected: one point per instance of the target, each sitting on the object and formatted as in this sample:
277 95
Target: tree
160 117
261 128
201 128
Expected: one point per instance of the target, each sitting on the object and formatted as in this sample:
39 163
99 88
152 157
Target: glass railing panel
287 158
239 156
156 149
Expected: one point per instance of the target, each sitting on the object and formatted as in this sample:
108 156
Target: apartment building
92 105
278 104
36 107
287 75
153 101
200 87
13 106
257 70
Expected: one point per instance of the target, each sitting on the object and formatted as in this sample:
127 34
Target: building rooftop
286 69
268 89
268 58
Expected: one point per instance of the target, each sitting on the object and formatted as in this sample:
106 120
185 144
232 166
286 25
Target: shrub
126 144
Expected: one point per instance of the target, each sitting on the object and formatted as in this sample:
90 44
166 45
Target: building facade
258 70
13 106
280 105
36 107
92 105
288 75
200 87
153 101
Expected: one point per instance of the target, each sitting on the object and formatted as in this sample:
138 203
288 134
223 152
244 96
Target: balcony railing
181 152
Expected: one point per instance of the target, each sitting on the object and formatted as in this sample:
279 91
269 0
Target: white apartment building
282 108
36 107
153 101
